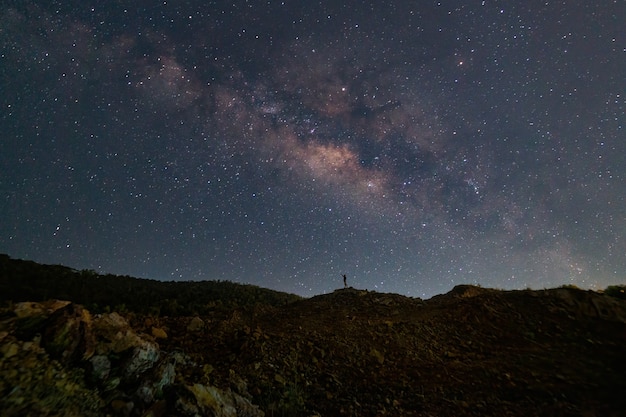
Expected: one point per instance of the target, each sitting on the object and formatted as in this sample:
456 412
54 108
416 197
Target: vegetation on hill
472 352
29 281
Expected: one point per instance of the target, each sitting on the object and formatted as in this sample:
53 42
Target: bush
617 291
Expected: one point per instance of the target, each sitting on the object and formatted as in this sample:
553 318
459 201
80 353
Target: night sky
410 145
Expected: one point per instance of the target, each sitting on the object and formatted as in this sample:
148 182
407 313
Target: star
412 148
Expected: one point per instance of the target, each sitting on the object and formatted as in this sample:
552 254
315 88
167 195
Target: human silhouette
345 281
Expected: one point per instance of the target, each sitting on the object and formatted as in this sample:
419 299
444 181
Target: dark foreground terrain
222 349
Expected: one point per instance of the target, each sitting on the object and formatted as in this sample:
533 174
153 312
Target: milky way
410 146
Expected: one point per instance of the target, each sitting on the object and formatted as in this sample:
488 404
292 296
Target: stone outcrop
73 363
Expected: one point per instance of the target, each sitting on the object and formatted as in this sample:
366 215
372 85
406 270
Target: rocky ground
471 352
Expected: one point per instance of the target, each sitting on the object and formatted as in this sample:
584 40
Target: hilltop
29 281
471 352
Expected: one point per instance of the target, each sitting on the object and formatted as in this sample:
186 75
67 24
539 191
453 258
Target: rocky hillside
471 352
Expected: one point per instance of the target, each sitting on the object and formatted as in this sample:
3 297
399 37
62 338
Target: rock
30 308
384 300
33 384
158 409
101 367
122 407
195 325
163 376
127 367
68 335
380 357
167 374
467 291
9 350
211 401
144 356
146 393
32 317
158 333
114 334
111 383
238 384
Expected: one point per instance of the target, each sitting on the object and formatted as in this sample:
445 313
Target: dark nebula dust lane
411 147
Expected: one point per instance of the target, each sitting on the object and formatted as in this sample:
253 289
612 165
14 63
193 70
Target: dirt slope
471 352
220 349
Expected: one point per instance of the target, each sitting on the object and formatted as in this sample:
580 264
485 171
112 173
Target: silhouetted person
345 281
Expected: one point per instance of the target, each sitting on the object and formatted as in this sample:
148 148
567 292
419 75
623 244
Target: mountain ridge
470 352
22 280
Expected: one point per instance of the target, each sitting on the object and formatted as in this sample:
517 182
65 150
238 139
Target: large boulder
61 345
42 381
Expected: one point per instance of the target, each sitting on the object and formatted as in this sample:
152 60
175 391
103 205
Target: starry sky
412 146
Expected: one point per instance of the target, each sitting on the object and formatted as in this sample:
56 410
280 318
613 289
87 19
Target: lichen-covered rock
63 328
116 338
158 333
67 335
100 367
30 308
144 356
114 334
33 384
195 325
211 401
50 352
162 376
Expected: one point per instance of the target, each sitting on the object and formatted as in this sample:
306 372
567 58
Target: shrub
617 291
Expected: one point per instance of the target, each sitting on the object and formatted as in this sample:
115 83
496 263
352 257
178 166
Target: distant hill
223 349
26 280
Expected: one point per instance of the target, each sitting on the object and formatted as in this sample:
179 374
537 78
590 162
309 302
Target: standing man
345 283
